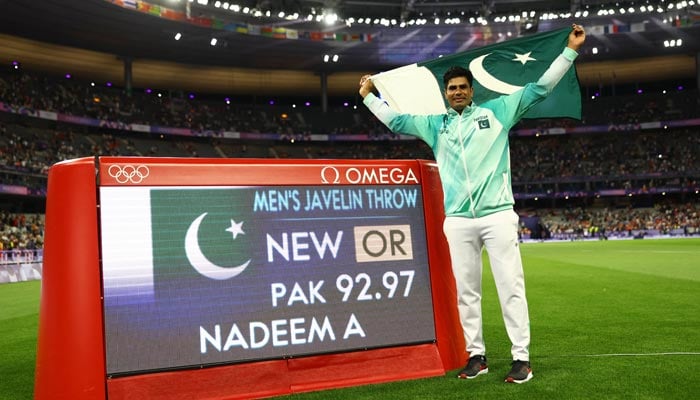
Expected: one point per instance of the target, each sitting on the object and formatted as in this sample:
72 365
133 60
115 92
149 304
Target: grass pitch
613 320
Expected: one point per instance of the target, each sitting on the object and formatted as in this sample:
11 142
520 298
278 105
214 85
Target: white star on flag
236 228
523 58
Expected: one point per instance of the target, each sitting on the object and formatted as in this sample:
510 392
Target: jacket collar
467 110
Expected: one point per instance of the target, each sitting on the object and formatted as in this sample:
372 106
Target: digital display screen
196 276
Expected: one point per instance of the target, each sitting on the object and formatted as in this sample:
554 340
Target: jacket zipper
464 164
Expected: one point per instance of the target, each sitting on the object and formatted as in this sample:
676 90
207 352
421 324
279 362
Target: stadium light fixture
213 42
330 18
178 36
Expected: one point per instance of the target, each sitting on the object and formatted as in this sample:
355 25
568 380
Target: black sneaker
475 367
520 372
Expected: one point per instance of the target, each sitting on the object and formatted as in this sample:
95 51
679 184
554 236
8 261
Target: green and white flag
498 69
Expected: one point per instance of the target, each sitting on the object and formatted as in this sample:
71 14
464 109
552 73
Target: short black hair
456 71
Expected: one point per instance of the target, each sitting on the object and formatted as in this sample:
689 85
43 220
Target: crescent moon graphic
489 81
200 262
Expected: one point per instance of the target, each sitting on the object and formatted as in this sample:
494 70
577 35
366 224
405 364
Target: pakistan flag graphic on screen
203 241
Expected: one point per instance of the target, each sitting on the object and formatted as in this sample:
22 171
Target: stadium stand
611 183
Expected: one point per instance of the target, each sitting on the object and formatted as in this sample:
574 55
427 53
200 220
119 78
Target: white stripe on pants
497 232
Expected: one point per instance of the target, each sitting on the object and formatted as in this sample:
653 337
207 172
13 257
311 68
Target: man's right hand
366 85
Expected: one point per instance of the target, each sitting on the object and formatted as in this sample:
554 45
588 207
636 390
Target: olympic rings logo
128 173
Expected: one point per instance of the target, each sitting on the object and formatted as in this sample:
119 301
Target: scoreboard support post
72 353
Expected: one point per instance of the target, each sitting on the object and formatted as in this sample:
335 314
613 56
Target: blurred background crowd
611 182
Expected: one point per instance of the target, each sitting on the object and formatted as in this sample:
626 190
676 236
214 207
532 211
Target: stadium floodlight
213 42
330 18
178 36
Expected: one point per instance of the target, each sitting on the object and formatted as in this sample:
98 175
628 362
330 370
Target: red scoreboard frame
71 354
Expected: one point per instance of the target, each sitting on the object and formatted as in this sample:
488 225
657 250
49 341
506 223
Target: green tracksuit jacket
471 148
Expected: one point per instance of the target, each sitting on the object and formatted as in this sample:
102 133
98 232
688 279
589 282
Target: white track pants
499 234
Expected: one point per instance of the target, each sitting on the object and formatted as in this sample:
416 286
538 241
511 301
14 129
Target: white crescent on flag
200 262
489 81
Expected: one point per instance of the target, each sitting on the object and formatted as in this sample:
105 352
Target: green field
612 320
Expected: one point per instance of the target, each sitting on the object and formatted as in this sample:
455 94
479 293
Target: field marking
660 251
672 353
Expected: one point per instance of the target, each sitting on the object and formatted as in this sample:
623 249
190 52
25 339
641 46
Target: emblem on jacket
483 122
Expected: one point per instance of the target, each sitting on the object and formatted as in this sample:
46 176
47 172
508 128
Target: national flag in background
500 68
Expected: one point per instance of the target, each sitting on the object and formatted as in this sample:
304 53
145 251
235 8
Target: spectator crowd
625 157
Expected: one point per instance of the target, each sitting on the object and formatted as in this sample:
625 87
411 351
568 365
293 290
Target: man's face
458 93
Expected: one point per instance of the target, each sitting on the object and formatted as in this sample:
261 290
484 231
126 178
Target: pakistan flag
498 69
202 244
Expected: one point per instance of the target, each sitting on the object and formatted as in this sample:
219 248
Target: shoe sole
465 376
513 380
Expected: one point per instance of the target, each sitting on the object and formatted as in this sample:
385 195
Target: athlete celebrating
470 144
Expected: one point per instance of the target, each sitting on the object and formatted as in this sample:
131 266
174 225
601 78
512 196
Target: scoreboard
176 275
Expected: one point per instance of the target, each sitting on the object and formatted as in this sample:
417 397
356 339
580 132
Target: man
470 143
